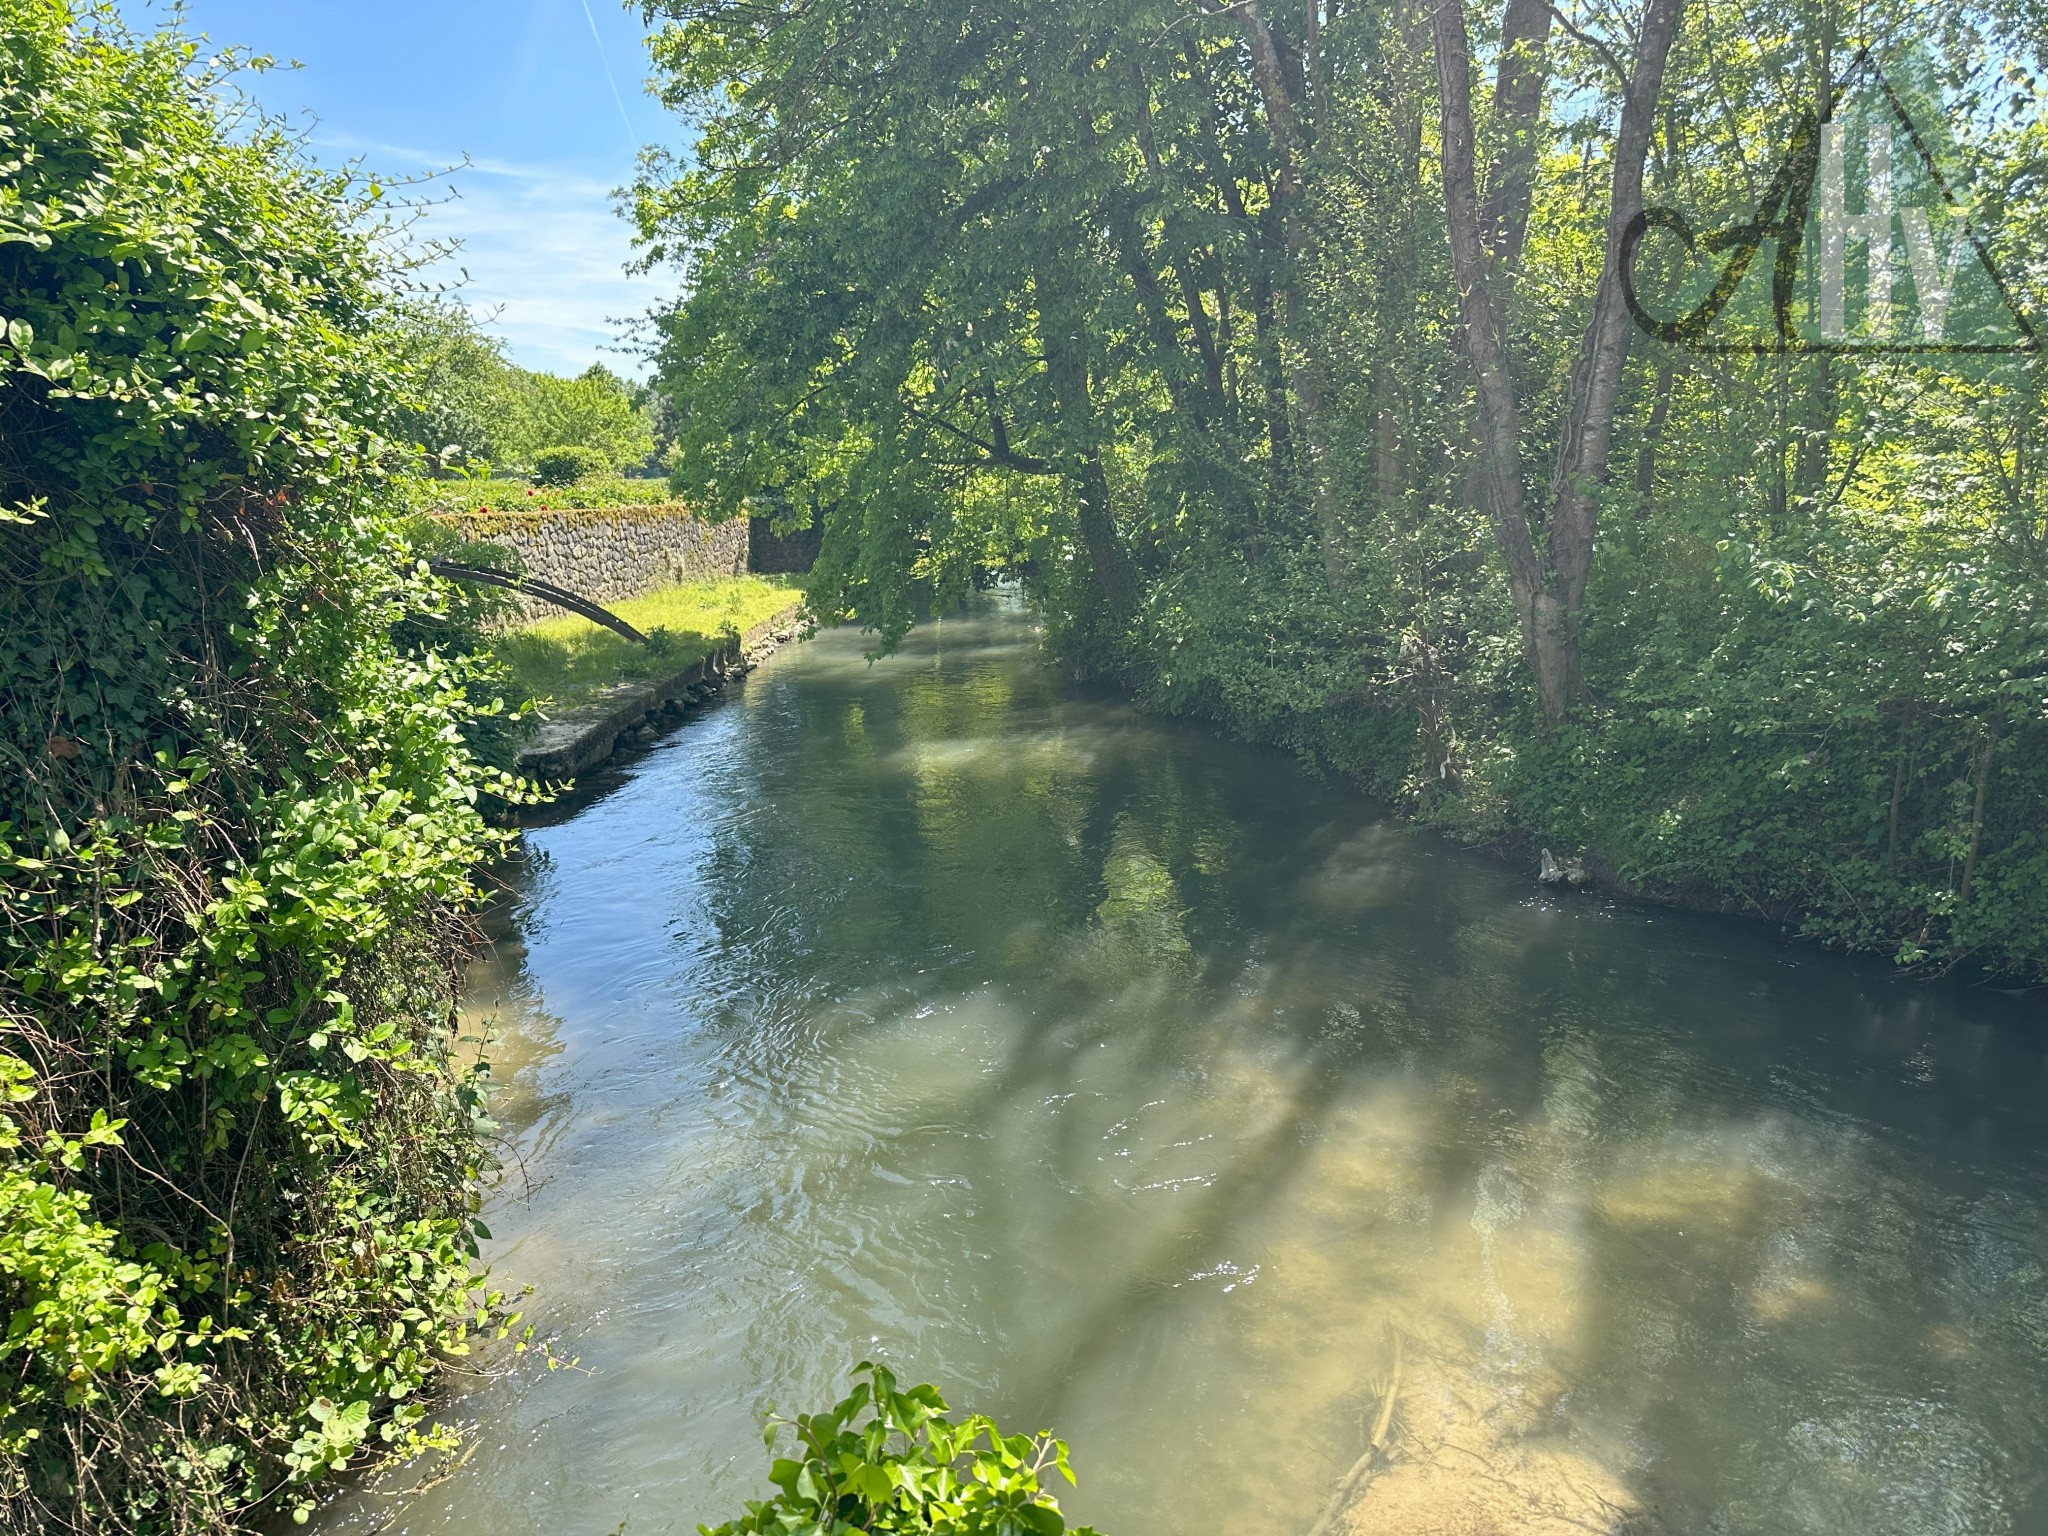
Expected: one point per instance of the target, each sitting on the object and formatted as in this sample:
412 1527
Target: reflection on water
1127 1081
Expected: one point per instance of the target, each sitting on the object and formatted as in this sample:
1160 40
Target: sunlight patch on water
1124 1081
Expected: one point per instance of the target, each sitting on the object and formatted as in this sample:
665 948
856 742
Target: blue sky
521 88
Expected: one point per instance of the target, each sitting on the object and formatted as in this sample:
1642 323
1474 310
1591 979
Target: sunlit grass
562 661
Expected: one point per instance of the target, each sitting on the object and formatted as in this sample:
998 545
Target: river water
1130 1082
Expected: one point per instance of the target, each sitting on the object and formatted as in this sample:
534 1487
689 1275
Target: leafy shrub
883 1461
566 465
238 1162
462 620
465 406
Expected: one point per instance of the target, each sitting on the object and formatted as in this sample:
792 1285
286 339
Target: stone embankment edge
579 739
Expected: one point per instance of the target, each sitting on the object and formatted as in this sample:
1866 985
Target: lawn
562 661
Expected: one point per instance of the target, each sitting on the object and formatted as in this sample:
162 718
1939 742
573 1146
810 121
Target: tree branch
997 453
1587 40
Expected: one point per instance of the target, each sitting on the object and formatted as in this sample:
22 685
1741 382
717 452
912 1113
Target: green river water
1130 1082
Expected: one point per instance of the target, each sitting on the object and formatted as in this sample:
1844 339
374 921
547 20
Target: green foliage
595 411
465 408
239 1159
455 624
931 334
553 467
462 402
1150 307
887 1461
491 496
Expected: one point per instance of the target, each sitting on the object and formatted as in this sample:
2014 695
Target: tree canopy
467 405
1281 347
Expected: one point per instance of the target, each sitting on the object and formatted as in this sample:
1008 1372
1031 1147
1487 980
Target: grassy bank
562 661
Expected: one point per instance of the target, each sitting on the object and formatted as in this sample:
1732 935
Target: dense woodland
1280 347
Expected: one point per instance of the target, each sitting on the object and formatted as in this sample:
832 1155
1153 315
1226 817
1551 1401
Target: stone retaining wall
607 553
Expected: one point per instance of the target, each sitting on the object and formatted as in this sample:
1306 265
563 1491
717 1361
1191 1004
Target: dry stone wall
608 553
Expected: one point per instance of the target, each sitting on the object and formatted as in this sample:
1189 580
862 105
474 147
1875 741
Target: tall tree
981 250
1548 565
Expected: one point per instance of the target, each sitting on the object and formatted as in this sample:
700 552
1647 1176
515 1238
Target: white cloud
544 249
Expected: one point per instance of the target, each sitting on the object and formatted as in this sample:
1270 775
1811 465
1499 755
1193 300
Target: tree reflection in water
1131 1082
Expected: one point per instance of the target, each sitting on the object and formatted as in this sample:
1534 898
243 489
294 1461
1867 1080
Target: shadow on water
1126 1080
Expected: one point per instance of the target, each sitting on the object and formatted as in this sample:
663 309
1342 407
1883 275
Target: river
1131 1082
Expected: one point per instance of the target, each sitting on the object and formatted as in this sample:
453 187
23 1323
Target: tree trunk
1266 356
1271 79
1499 462
1386 450
1977 816
1549 590
1106 551
1816 436
1272 364
1596 377
1137 264
1404 96
1183 271
1064 337
1283 126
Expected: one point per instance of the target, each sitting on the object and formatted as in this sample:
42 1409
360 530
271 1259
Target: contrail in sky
631 137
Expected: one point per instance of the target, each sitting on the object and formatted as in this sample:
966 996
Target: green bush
463 619
488 496
466 408
883 1461
239 1161
594 410
567 465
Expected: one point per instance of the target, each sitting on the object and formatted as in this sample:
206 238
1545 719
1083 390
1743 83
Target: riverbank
565 663
632 711
1908 837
